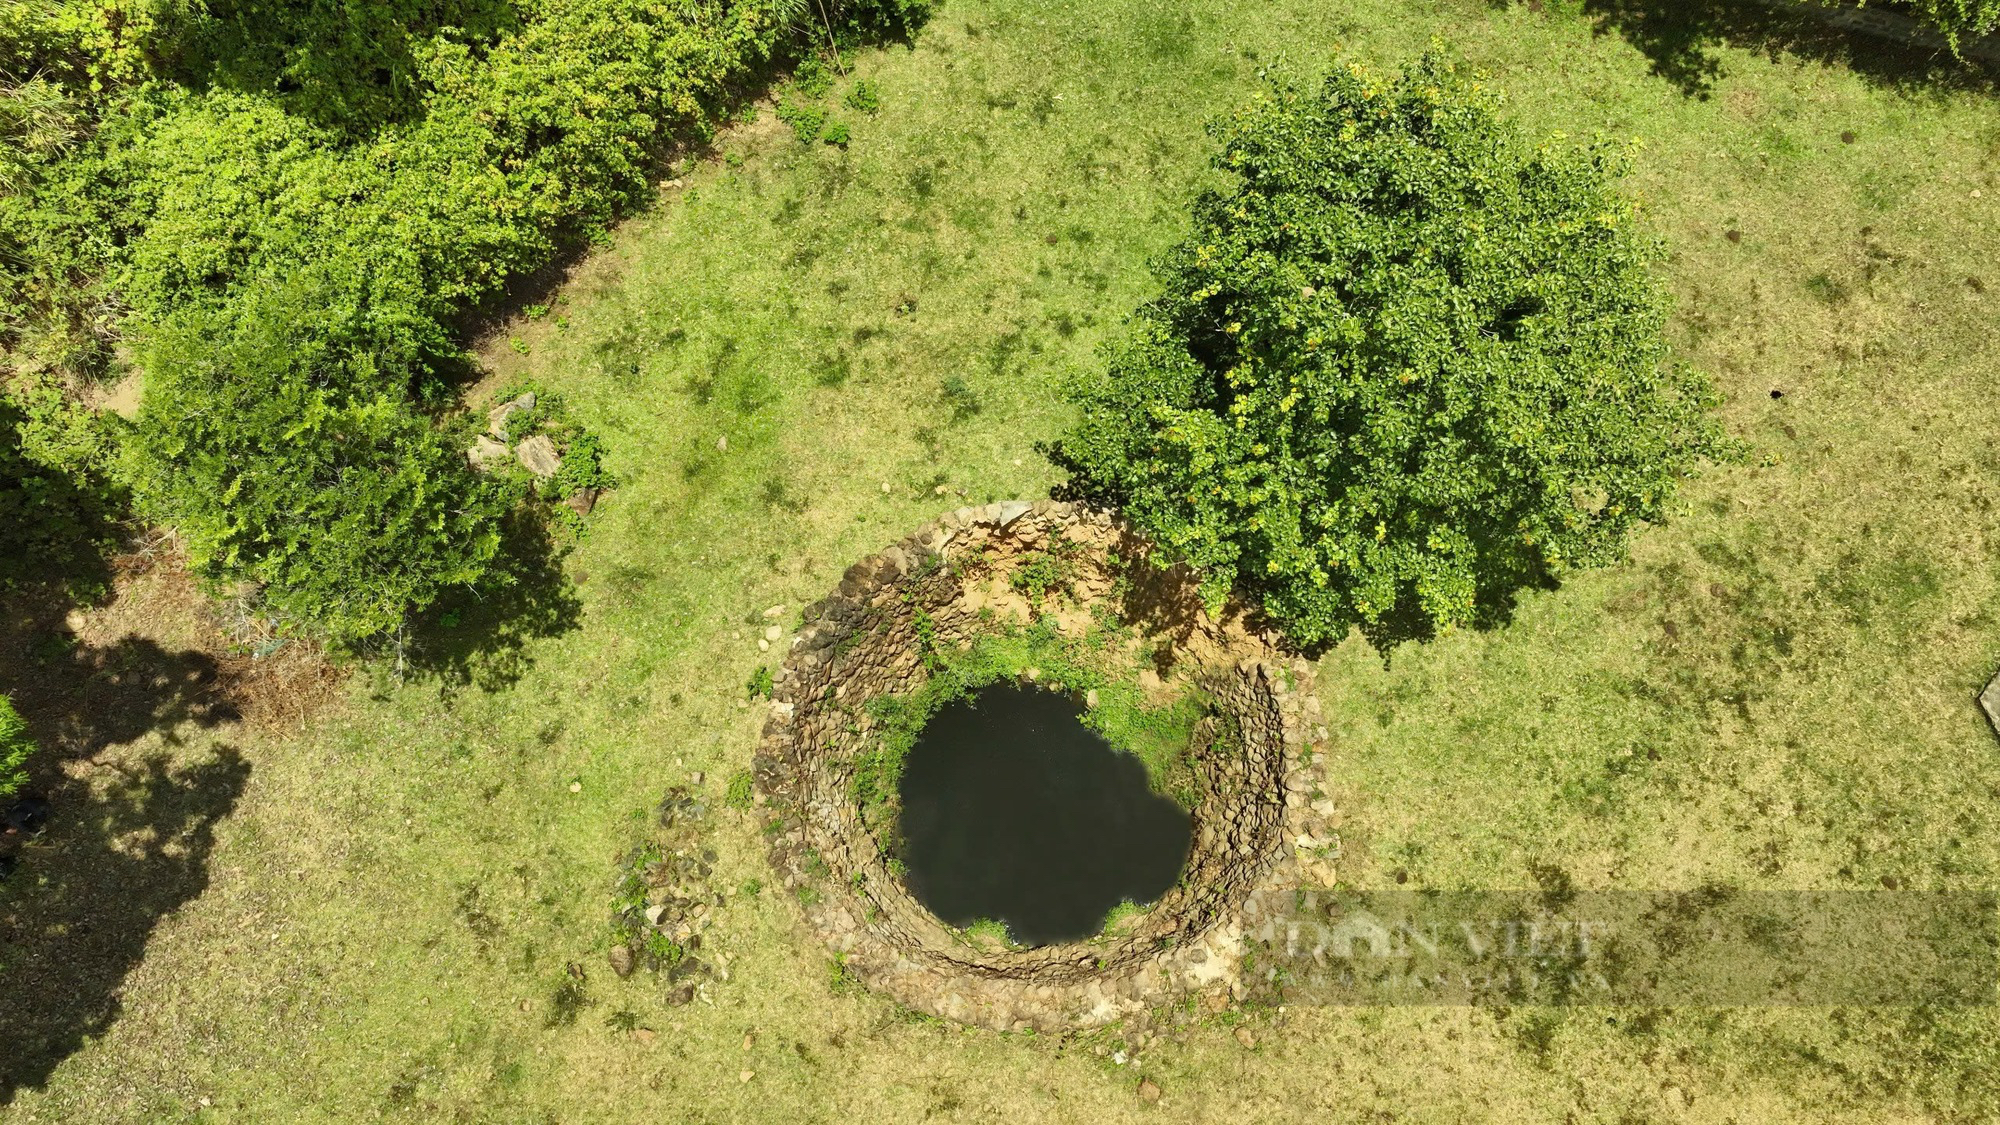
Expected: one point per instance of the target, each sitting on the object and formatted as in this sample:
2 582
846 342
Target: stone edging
1262 823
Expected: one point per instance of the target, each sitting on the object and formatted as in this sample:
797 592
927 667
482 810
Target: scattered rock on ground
496 418
584 500
538 455
1244 1037
487 453
668 898
1149 1091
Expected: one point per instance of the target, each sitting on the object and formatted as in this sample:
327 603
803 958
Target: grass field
804 351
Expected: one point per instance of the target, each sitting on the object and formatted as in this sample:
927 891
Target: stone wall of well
1260 823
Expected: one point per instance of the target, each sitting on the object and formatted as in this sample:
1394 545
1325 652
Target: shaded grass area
1775 692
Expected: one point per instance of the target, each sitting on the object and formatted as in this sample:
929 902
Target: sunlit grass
1774 692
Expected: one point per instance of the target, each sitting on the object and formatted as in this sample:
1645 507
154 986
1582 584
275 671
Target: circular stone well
1261 822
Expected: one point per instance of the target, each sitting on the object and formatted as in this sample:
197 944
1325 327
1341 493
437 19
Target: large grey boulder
538 455
487 453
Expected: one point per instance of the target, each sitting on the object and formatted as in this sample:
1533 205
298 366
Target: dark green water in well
1014 810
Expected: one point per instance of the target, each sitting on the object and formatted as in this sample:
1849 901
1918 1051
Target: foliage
989 931
1042 573
866 96
581 450
806 120
15 746
58 499
1039 575
290 458
1959 20
171 163
760 683
813 77
740 793
1121 914
1403 366
863 20
840 979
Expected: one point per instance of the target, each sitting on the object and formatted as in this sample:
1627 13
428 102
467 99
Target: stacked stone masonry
1262 825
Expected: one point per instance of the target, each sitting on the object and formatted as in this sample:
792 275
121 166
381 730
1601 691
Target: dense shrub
1958 19
183 166
14 749
58 502
288 456
1405 364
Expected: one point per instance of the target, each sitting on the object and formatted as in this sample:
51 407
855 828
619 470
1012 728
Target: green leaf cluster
58 497
1959 20
15 746
1404 364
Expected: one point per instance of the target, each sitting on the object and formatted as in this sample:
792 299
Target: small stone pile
536 452
666 902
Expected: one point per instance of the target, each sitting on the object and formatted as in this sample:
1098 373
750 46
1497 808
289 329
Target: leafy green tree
1958 19
15 746
1406 364
288 456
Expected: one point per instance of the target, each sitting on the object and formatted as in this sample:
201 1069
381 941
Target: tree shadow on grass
1680 38
481 637
99 848
81 699
77 914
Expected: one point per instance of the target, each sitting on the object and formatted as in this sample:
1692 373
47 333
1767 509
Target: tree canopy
1404 364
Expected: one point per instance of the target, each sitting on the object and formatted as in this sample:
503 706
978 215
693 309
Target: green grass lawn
805 351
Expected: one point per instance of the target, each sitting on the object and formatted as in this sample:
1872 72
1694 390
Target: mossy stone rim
863 640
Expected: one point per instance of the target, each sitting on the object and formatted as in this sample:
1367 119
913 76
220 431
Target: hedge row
287 204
